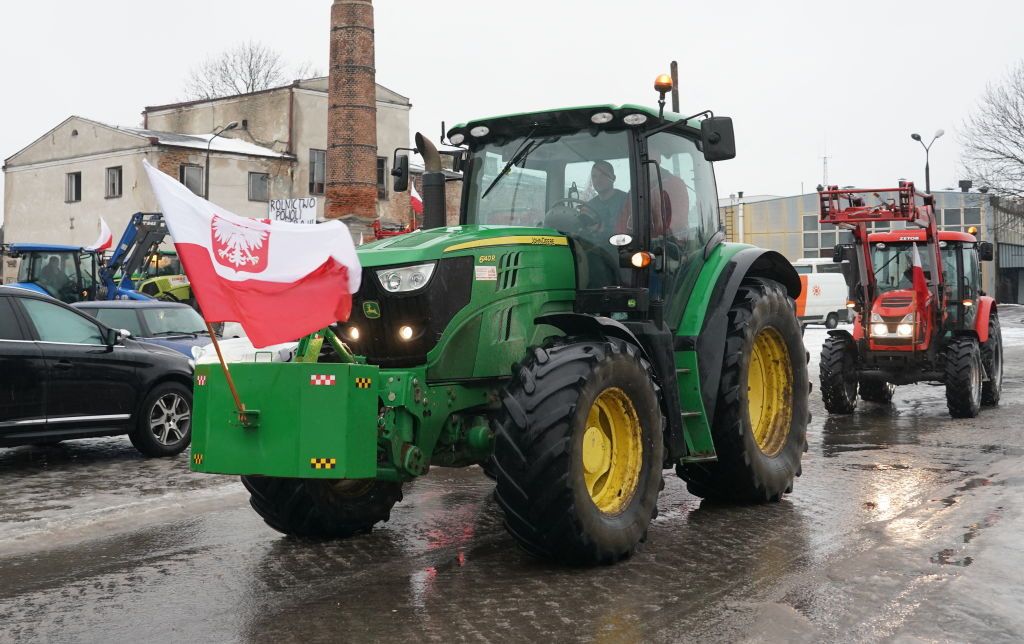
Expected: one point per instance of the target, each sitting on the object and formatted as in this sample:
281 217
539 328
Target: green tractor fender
704 325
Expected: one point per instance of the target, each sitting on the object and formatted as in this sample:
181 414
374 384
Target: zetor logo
239 245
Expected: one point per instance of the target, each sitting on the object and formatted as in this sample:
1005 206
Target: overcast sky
855 78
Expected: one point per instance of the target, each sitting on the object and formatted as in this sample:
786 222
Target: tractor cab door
683 215
970 284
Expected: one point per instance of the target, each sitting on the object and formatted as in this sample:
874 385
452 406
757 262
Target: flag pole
227 374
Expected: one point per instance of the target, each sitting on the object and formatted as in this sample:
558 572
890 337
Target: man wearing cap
607 205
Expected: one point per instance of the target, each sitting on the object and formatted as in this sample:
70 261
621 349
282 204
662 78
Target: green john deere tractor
584 328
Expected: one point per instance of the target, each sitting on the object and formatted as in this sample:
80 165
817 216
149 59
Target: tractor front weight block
316 420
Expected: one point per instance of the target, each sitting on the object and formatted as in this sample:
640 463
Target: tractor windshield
66 275
550 175
893 264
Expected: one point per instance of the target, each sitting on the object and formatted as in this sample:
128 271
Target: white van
823 292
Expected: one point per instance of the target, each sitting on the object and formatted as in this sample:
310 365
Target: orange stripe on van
801 300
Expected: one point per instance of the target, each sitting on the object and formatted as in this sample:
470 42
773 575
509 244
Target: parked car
171 324
63 375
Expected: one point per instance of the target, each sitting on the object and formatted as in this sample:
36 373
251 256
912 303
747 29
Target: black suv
64 375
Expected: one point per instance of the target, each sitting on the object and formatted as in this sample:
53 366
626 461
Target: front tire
163 426
963 377
321 508
992 359
761 415
838 375
579 450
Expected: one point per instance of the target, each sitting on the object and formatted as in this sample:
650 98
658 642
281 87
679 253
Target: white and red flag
279 280
415 199
105 240
919 282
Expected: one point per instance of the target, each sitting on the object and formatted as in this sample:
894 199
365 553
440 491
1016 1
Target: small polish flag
919 282
105 240
414 199
280 280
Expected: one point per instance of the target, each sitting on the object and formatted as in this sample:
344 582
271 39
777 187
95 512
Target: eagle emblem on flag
239 246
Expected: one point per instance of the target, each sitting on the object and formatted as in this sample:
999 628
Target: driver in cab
53 275
609 202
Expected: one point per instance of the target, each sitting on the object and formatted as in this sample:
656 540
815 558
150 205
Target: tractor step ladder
699 446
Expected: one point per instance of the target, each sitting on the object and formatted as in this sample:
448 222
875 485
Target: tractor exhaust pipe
433 184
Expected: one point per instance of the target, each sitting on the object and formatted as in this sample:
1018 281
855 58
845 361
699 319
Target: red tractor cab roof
918 235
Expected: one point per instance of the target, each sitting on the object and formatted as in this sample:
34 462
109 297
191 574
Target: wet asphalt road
905 526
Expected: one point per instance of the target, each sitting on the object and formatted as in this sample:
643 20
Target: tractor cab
628 187
67 273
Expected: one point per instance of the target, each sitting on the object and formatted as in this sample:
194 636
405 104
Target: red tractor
920 313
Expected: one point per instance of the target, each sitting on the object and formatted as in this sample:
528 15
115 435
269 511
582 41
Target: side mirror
110 337
837 253
718 139
401 173
985 251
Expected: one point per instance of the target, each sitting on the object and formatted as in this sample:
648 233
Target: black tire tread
960 353
835 354
876 391
734 477
533 453
308 508
991 392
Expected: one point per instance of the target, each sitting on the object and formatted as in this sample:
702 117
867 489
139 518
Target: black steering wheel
582 210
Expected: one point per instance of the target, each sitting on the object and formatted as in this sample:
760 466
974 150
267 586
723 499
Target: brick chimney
352 113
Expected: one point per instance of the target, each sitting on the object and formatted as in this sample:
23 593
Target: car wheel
163 426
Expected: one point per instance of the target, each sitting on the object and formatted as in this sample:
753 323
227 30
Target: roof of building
200 141
317 84
222 144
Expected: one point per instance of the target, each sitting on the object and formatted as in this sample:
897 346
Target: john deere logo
371 310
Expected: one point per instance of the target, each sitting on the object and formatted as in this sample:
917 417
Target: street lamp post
927 148
206 169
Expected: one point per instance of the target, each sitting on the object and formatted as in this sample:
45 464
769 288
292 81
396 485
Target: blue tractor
77 274
68 273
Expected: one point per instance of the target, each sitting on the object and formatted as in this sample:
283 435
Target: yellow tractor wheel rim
612 451
770 391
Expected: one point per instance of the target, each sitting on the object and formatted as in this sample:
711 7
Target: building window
972 216
951 218
192 177
382 177
113 182
73 187
259 186
317 171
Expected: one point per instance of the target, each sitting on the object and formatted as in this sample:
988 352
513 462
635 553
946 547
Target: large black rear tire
838 375
963 377
579 451
992 359
760 424
321 508
877 391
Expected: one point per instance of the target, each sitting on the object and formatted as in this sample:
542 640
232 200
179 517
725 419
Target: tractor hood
435 243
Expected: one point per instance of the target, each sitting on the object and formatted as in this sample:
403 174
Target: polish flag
279 280
415 199
921 291
105 240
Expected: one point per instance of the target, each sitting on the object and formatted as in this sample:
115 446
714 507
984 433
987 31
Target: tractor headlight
906 326
406 278
878 325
